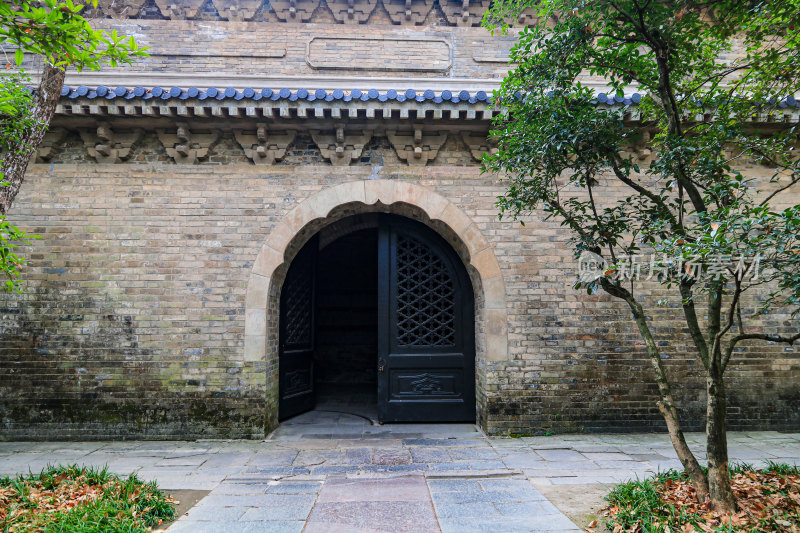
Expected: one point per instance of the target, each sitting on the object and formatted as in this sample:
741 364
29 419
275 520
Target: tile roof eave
267 102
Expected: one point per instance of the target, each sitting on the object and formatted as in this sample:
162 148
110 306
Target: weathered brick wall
252 48
132 322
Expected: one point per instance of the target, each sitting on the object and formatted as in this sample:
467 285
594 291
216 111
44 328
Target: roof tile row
229 93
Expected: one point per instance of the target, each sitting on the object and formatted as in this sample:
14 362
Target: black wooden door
296 337
426 347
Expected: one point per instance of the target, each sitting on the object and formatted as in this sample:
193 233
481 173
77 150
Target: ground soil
580 503
186 500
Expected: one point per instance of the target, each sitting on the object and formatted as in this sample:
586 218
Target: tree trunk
15 163
719 483
690 465
667 406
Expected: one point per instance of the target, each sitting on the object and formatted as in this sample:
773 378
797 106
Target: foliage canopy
703 90
56 32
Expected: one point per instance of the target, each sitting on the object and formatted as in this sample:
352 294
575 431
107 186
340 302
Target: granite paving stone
283 512
391 456
241 488
294 487
560 455
406 488
237 527
458 510
429 455
227 514
406 517
350 476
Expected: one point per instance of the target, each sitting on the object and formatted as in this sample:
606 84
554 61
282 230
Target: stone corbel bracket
180 9
294 10
408 11
187 147
264 147
47 147
108 146
416 147
237 10
639 147
464 12
352 11
341 147
479 144
117 9
527 17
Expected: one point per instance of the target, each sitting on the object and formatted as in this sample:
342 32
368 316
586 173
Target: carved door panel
296 351
426 349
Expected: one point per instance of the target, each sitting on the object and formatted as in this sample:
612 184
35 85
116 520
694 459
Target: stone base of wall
157 417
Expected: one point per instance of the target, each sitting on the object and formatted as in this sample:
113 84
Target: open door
426 347
296 337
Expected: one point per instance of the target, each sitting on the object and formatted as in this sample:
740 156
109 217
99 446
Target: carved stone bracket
184 146
108 146
180 9
479 144
237 9
464 12
294 10
352 11
408 11
639 146
264 147
341 147
642 147
118 9
51 140
417 148
528 16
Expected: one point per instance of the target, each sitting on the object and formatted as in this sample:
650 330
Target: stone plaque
418 54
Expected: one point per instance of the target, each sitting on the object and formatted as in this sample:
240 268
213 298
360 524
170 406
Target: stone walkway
331 472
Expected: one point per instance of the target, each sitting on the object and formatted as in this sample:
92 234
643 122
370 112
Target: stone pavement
332 472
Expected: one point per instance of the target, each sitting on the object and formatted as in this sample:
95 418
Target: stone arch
277 252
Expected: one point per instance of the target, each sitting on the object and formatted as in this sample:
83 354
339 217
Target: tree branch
760 336
690 312
644 192
737 292
795 180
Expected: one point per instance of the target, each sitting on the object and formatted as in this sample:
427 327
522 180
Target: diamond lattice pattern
298 307
425 296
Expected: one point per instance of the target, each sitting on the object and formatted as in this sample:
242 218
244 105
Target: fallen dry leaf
766 502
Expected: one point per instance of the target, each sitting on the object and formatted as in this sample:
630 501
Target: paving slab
383 516
410 489
334 472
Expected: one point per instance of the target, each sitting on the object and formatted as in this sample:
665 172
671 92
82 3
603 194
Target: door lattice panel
425 296
298 305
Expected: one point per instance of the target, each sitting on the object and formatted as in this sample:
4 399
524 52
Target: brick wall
132 322
314 49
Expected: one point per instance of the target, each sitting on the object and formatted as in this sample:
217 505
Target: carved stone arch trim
260 333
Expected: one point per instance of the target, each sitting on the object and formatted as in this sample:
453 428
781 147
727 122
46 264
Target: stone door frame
301 222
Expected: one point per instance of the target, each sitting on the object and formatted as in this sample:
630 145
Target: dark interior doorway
376 319
346 354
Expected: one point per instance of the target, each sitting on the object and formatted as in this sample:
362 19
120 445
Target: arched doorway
381 304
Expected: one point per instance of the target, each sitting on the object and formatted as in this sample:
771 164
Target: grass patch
767 500
78 499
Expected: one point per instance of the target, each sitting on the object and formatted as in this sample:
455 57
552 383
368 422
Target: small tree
15 103
56 31
707 72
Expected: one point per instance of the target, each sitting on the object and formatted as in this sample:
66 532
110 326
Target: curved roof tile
230 93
